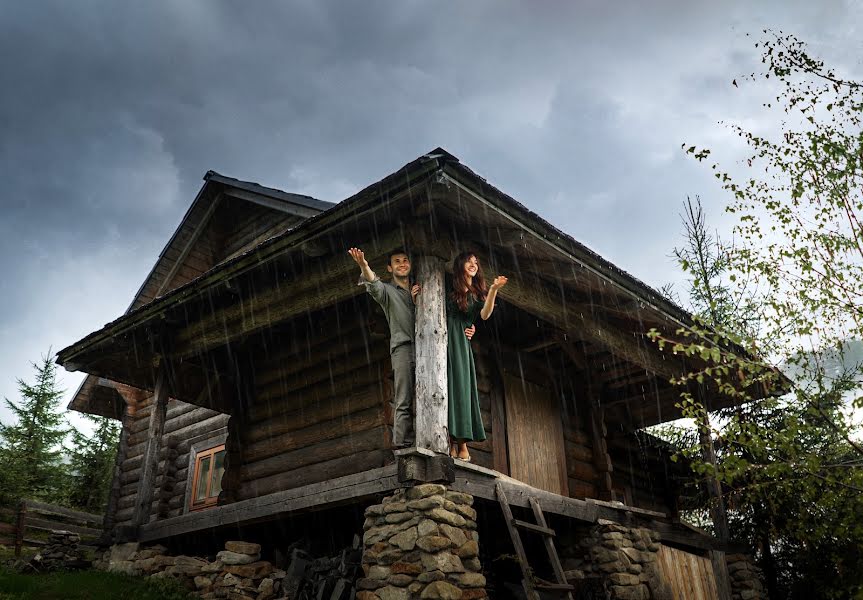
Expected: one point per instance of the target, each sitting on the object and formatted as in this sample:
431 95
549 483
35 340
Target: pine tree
92 464
31 450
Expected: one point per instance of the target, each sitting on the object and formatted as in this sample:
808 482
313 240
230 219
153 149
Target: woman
469 297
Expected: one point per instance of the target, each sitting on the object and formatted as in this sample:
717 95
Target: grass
87 585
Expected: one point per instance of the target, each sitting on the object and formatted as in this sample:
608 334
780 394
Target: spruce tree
31 449
92 464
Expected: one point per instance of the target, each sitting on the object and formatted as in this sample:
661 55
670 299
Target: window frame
197 453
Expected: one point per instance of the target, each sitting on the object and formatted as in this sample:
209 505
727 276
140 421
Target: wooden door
690 576
534 436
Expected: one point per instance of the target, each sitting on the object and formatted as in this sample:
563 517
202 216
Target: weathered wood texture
535 435
430 422
689 575
149 466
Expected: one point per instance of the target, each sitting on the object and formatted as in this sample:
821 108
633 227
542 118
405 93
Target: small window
207 480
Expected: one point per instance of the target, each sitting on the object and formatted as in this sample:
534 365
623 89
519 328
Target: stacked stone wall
622 560
421 542
746 580
236 574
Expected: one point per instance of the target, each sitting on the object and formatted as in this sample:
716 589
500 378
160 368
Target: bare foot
463 453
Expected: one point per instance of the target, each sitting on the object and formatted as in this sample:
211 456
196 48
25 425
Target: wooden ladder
533 585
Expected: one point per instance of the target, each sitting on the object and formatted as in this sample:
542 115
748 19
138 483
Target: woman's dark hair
460 287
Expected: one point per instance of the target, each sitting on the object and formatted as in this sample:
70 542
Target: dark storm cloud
110 114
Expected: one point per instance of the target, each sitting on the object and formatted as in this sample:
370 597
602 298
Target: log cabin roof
615 307
99 396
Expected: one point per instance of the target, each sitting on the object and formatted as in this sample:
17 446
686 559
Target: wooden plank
330 409
313 453
720 573
326 430
156 426
48 525
50 509
314 496
430 419
498 421
535 435
601 458
318 472
542 530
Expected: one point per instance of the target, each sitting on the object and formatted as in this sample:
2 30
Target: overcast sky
111 113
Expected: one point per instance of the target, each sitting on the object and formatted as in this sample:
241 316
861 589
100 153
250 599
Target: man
398 299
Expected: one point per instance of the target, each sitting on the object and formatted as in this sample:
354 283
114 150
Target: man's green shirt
398 307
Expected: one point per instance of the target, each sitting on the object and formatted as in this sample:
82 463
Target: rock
406 568
391 592
378 534
471 580
235 558
388 557
634 592
464 510
468 550
424 490
202 581
457 536
370 584
394 507
472 564
473 594
398 517
213 567
266 589
375 510
120 552
634 555
433 543
400 580
459 498
406 540
441 590
378 572
366 596
426 503
623 579
240 595
415 587
469 524
442 515
428 527
229 580
442 561
243 548
429 576
255 570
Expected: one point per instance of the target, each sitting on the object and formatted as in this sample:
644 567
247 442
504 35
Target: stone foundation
746 582
623 560
236 574
421 542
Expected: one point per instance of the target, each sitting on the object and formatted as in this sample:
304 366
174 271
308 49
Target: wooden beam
538 299
315 496
430 421
150 464
323 283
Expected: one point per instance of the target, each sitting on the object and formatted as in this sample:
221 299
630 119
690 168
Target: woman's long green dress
465 419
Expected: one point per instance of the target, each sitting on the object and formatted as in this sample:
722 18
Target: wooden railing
25 524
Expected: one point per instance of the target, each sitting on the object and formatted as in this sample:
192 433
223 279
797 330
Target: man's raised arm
360 258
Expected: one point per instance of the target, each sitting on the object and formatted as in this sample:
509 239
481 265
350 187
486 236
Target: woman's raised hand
498 282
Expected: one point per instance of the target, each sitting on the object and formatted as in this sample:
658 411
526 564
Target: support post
150 465
20 526
714 488
430 415
601 459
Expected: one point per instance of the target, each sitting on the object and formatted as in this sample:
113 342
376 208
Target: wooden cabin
252 375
